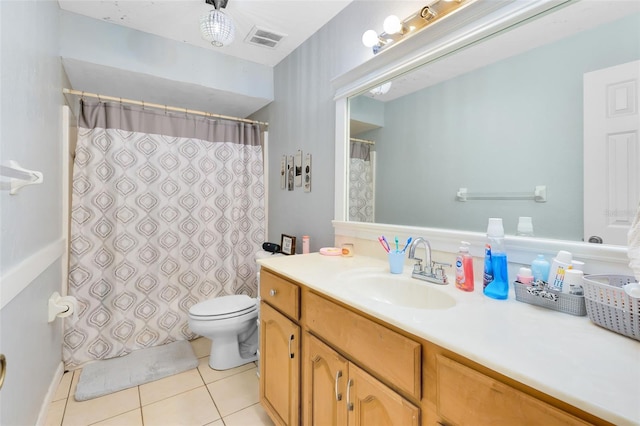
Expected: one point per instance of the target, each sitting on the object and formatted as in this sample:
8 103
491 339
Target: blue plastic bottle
498 288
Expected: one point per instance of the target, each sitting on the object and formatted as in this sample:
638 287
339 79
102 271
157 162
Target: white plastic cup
525 226
396 261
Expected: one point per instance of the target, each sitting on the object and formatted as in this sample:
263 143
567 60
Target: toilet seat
223 308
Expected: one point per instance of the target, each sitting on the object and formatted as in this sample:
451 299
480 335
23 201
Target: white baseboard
48 399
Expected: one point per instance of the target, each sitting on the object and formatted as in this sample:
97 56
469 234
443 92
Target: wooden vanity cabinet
390 376
338 392
280 349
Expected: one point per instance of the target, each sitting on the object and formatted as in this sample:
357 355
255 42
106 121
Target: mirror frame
468 26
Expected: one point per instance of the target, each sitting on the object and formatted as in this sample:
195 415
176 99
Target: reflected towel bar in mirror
539 195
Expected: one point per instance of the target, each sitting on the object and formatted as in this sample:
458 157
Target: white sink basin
397 290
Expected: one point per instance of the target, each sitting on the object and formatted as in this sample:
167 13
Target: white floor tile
201 346
64 386
254 416
55 413
192 408
209 375
130 418
235 392
169 386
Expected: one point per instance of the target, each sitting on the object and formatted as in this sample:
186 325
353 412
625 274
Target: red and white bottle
464 268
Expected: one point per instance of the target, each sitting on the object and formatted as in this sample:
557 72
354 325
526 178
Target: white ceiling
180 19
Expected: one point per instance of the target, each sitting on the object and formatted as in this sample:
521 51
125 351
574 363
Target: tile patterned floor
201 396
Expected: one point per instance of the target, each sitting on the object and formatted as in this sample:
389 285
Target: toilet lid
224 306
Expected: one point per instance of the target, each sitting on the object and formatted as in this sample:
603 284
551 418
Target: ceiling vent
263 37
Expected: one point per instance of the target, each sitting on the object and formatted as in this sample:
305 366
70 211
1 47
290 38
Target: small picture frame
288 244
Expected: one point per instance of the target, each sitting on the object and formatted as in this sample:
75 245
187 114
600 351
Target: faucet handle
417 267
439 270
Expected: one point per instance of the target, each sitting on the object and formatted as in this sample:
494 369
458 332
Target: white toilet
230 323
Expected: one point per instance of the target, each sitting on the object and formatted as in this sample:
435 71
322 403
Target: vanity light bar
424 17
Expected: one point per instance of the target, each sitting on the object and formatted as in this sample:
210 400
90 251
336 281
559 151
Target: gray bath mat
139 367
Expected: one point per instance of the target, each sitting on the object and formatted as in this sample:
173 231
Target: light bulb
370 38
392 24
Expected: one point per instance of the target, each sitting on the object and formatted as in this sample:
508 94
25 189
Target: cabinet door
375 404
280 366
468 397
325 378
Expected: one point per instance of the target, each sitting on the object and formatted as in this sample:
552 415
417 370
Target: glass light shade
381 90
392 24
218 28
370 38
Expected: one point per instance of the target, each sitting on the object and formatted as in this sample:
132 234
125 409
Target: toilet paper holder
62 306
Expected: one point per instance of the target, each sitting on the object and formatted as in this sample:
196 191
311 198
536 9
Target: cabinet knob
272 292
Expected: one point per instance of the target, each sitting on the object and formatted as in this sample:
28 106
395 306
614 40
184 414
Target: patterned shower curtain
361 192
167 211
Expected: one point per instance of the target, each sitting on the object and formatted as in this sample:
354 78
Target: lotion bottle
464 268
540 268
560 264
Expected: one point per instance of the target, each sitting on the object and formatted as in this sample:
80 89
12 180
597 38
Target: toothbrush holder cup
396 261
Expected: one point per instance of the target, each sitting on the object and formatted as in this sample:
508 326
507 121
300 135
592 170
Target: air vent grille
264 37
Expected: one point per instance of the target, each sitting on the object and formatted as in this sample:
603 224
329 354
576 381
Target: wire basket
540 295
609 306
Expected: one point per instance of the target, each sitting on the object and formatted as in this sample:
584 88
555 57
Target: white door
611 152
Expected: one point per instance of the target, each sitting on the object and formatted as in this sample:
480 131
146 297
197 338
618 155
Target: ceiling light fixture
381 90
216 26
396 30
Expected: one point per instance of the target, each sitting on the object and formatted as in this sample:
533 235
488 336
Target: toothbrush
397 248
386 243
382 243
407 244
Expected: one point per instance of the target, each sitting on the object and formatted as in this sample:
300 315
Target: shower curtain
167 211
361 178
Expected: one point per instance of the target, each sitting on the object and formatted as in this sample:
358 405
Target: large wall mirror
500 118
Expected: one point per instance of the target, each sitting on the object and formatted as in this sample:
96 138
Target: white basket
609 306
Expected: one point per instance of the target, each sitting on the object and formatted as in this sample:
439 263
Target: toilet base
225 353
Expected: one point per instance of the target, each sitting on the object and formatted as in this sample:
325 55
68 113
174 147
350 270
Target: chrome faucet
431 271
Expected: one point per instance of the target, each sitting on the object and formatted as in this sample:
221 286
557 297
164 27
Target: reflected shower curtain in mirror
361 179
167 211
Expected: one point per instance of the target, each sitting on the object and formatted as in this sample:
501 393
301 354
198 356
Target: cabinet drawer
392 357
468 397
281 294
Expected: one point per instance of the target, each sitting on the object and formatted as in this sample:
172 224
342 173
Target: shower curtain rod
159 106
362 140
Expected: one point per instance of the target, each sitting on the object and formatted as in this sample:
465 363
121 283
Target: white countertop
562 355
